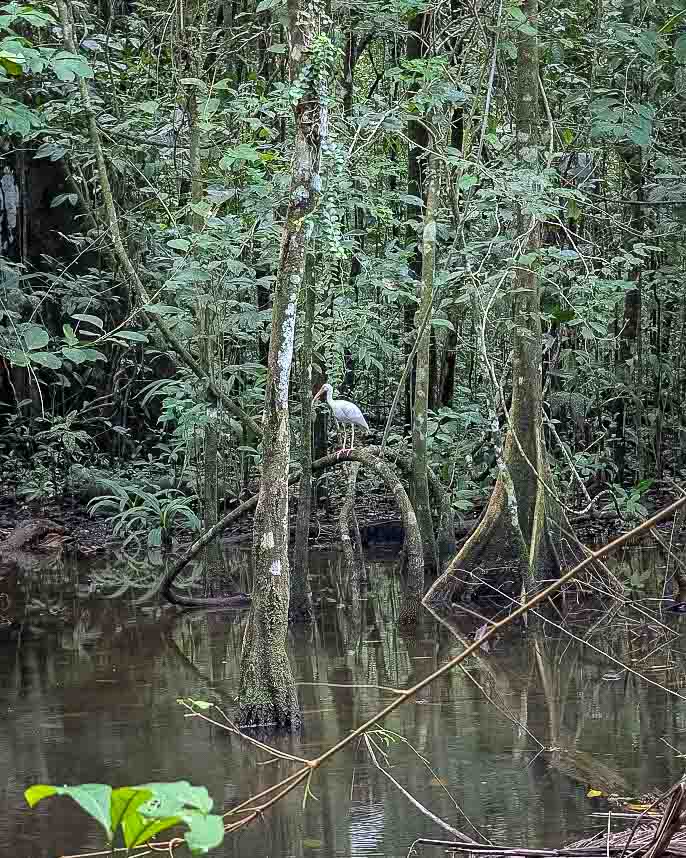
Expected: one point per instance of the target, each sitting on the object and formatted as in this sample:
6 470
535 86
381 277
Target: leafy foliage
138 814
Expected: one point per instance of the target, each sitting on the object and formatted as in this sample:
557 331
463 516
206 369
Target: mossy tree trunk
516 540
300 609
420 480
267 693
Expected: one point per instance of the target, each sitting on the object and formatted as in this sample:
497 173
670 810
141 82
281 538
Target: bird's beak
317 394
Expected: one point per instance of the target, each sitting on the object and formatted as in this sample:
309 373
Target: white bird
343 411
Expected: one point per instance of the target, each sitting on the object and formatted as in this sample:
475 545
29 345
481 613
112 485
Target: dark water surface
95 701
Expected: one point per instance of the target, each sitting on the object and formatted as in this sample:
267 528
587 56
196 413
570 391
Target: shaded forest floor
375 508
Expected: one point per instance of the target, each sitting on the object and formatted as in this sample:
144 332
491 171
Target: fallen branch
254 807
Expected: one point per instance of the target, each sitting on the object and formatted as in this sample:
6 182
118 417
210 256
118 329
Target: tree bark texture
515 543
267 693
420 481
418 135
300 609
354 569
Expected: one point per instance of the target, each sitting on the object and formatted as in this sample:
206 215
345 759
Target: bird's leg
342 450
352 440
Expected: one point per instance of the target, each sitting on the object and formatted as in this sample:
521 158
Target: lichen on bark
267 693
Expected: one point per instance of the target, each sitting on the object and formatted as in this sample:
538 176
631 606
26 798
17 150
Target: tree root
413 542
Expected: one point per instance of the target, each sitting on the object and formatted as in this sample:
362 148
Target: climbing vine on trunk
267 693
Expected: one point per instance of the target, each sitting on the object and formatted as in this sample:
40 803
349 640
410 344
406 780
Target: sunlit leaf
47 359
94 799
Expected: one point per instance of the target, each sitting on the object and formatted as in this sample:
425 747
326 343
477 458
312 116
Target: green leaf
206 831
35 337
94 799
92 320
242 152
516 13
74 355
171 799
179 244
136 829
72 199
46 359
147 829
126 800
91 355
263 5
18 358
69 66
37 793
162 309
133 336
12 68
200 704
443 323
155 537
69 335
467 182
680 49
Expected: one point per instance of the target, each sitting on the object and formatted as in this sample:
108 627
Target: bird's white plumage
344 412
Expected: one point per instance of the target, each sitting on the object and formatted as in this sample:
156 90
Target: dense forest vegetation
468 218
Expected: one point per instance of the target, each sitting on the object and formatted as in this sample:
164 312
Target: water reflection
513 741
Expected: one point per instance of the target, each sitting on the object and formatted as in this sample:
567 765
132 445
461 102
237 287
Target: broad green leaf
14 69
18 358
35 337
92 355
126 800
94 799
205 831
467 182
69 66
149 107
179 244
171 799
162 309
85 317
74 355
263 5
133 336
516 13
38 792
69 335
35 17
443 323
147 828
136 829
46 359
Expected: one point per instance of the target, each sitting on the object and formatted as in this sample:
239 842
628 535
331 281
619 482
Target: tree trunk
301 596
267 693
417 49
420 483
516 540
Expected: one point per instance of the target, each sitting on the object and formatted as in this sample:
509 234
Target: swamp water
95 701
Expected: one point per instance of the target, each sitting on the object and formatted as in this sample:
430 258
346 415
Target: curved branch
413 542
